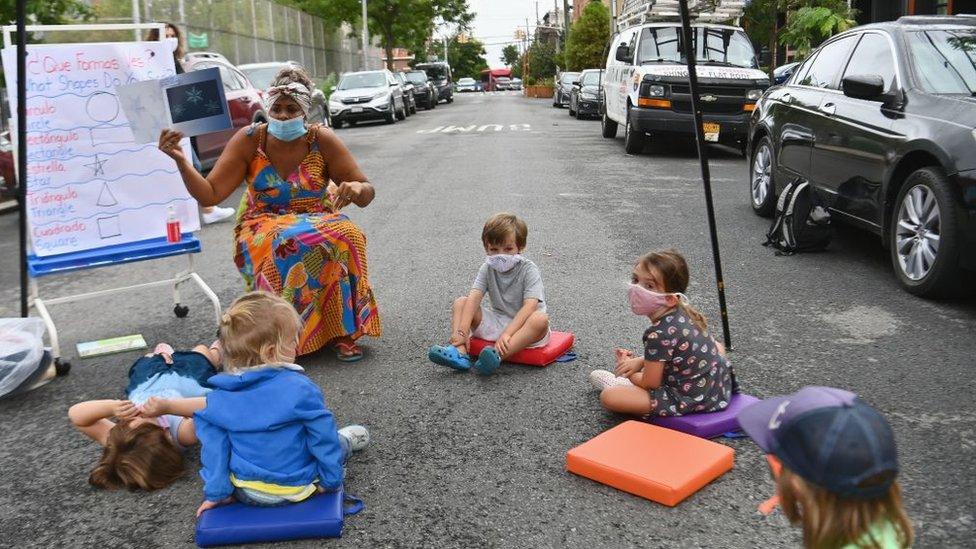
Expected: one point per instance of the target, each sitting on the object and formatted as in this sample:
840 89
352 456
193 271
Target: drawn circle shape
102 107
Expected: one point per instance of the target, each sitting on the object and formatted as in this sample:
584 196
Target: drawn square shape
652 462
109 227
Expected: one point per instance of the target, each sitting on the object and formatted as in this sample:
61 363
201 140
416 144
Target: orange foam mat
652 462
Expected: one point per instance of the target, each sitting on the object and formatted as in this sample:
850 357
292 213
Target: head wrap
296 91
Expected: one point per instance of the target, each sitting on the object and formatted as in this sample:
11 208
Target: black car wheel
402 113
923 237
762 189
391 118
337 124
609 127
633 139
571 111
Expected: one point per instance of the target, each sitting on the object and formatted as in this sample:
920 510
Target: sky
496 21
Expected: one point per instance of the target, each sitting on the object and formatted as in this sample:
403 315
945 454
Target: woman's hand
348 192
169 143
125 409
155 407
629 367
207 505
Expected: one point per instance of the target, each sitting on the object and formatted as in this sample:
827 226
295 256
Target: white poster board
89 184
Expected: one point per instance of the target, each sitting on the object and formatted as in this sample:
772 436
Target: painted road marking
474 128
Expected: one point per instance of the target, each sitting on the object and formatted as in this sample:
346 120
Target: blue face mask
287 130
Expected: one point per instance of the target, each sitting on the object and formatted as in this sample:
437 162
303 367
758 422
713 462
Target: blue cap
829 437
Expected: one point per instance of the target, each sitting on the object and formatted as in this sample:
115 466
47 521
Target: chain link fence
250 31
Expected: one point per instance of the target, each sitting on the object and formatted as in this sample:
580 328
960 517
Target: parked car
503 83
408 92
586 97
646 84
424 91
262 75
367 95
440 73
564 87
244 103
198 55
783 72
467 85
880 120
516 84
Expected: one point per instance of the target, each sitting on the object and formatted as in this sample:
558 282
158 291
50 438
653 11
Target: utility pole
365 38
446 39
565 23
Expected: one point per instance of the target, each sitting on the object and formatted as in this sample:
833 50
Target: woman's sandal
448 355
347 351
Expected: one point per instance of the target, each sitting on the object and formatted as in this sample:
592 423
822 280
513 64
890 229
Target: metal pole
136 19
565 24
446 39
689 53
365 38
22 147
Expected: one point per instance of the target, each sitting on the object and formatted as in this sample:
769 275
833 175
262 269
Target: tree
467 58
797 24
510 55
46 12
588 38
398 23
541 59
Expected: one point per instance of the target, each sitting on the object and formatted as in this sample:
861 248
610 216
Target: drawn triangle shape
105 197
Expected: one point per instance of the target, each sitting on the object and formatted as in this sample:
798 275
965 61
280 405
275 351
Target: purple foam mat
709 424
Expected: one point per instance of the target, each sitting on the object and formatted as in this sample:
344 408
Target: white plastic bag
21 350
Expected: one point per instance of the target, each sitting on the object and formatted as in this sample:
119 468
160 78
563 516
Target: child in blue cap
839 468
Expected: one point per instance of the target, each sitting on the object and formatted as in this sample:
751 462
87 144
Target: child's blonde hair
673 269
502 225
829 521
256 329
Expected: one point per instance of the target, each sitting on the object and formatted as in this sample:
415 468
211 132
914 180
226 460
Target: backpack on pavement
801 223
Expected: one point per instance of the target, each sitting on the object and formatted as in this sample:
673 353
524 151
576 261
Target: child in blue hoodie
267 437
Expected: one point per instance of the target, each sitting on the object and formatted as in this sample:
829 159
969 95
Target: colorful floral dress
292 242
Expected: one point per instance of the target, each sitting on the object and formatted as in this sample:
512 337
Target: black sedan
564 86
586 98
424 91
880 120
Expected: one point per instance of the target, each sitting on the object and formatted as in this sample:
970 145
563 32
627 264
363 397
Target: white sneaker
217 215
357 435
601 379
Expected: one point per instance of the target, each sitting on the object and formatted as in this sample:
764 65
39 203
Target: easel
33 267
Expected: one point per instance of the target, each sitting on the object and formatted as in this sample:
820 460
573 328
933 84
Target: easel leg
52 331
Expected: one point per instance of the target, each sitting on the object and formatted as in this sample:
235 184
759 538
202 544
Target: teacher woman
292 239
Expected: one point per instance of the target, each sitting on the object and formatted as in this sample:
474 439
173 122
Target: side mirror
863 86
623 53
576 83
393 84
332 88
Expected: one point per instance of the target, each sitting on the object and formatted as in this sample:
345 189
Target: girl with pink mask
683 370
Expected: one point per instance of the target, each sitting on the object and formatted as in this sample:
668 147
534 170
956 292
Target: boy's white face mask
503 262
173 43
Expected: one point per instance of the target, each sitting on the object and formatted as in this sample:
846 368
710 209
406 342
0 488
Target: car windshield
713 46
417 77
590 79
503 79
945 60
262 77
362 80
466 81
436 72
569 77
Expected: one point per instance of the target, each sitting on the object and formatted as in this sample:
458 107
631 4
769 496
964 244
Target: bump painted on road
863 324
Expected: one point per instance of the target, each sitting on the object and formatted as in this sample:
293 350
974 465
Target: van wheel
923 237
633 140
609 127
762 189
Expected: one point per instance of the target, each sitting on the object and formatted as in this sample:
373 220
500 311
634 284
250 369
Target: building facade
872 11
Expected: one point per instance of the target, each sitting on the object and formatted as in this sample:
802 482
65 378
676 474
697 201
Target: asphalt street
463 461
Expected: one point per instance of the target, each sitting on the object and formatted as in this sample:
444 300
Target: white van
646 84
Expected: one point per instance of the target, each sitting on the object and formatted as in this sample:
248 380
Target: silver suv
367 95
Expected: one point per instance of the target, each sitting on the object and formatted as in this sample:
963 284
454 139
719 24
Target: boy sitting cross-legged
514 318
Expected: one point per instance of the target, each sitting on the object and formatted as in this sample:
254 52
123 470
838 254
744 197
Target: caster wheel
61 367
181 311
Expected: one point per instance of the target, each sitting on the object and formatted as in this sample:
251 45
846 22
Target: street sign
198 40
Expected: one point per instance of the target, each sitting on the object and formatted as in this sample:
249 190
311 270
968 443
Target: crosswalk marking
474 128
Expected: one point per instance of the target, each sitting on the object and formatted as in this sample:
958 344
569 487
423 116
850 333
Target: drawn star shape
97 166
212 106
178 110
194 95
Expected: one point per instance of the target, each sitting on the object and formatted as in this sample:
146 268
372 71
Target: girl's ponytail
697 318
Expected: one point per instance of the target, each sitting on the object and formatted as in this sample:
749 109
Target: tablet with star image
196 103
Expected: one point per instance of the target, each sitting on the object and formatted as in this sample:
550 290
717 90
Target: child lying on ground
682 370
515 318
839 468
267 437
142 448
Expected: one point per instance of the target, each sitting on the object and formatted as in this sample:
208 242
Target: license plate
357 109
711 130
